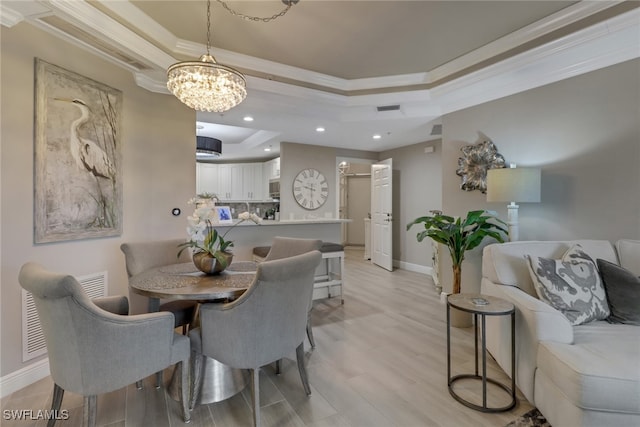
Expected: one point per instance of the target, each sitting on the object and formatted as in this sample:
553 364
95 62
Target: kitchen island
247 235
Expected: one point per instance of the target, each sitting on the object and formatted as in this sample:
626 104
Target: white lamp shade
513 185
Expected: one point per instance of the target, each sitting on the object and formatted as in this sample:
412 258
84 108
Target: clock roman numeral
311 204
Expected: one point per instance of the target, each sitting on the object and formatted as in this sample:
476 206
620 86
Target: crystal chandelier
205 85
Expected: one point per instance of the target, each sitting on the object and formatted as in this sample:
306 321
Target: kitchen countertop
269 222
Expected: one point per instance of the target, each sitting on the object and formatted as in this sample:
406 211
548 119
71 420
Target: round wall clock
310 189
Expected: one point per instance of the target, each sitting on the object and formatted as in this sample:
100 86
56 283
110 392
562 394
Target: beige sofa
586 375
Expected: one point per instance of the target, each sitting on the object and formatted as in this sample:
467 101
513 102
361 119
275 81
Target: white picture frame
223 215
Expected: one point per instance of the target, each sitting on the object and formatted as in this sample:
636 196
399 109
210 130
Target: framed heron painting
78 185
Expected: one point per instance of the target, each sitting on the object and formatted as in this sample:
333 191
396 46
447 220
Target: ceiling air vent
388 107
436 130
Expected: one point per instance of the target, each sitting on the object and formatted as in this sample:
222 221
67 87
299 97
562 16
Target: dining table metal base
219 382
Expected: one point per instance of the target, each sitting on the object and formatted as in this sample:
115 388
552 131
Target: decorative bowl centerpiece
211 251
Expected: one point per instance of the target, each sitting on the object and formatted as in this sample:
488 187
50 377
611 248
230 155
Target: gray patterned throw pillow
571 285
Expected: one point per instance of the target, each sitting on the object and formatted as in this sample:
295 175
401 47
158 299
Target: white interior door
381 214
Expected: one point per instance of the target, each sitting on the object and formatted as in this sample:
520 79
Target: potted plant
211 252
460 235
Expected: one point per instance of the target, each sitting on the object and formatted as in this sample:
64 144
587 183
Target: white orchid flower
200 226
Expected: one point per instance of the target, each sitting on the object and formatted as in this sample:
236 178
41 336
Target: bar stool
328 279
329 282
260 253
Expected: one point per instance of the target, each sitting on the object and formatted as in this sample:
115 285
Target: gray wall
158 149
293 159
417 188
584 133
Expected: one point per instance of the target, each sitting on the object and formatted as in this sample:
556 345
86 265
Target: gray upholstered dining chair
284 247
93 351
142 256
263 325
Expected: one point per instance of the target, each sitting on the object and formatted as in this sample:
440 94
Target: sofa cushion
623 293
600 370
504 263
629 255
571 285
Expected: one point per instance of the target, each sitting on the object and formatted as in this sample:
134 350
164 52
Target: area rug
533 418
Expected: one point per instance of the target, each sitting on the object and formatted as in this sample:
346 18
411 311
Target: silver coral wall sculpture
476 160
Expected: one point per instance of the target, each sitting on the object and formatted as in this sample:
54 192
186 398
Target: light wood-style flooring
380 360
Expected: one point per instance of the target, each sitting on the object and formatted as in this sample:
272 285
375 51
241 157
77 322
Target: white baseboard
23 377
413 267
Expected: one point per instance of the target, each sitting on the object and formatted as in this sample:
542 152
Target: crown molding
142 22
597 47
87 17
531 32
151 83
9 17
544 26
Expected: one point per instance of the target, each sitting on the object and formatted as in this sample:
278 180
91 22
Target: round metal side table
482 306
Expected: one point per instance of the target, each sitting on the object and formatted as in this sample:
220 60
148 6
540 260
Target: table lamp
513 185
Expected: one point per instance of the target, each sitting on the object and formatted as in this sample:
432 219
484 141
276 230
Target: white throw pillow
571 285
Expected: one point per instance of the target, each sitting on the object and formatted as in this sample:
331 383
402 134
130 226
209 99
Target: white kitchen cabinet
273 166
206 178
266 176
252 181
240 181
230 182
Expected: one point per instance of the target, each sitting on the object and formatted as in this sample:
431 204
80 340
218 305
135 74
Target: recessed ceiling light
267 148
319 129
377 136
247 118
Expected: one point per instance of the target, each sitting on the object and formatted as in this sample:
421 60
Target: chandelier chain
208 26
256 18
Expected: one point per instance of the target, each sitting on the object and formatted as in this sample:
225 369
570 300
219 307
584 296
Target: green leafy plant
460 234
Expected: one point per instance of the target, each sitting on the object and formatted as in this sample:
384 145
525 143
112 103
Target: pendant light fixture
205 85
207 148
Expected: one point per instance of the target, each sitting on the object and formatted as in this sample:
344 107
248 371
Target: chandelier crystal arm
288 4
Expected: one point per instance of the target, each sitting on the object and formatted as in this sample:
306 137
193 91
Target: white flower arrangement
203 237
